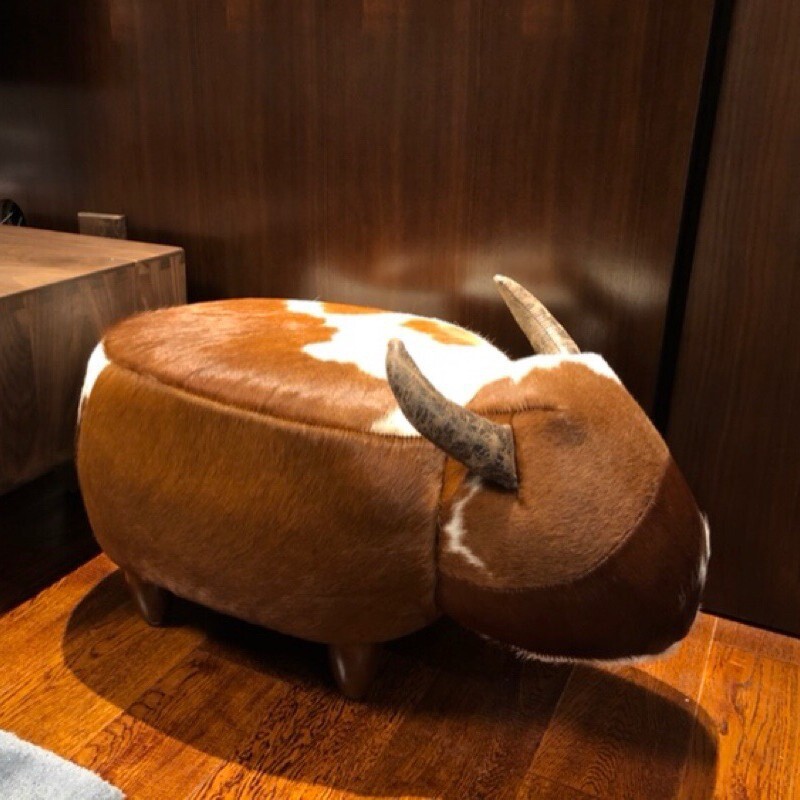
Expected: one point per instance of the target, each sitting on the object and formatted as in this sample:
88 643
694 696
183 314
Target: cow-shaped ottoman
347 475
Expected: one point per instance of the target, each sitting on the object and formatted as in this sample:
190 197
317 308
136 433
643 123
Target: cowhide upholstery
251 455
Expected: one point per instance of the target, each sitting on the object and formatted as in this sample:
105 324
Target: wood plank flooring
213 708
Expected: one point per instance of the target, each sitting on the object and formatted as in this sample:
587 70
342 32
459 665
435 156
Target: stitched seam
517 409
264 415
440 509
419 439
437 533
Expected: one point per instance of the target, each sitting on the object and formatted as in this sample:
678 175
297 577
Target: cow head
566 528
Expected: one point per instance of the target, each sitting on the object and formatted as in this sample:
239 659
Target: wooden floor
212 708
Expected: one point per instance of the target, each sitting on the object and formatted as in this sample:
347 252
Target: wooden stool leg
353 667
151 600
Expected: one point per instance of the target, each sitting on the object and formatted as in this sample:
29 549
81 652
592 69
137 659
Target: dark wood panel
388 152
44 534
734 422
57 294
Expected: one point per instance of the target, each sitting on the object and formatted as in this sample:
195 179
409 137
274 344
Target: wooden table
58 292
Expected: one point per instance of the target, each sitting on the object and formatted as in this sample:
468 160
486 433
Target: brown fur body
220 460
292 526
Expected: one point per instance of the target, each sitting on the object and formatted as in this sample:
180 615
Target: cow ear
485 447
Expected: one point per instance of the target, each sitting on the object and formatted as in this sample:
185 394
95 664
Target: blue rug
28 772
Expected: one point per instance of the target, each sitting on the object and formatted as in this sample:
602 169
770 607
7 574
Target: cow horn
543 330
485 447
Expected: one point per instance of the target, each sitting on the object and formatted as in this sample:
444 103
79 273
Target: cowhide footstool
347 475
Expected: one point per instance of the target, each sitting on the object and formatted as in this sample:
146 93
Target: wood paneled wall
388 152
735 425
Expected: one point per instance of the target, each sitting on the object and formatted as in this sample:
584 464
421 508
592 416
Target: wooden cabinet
58 292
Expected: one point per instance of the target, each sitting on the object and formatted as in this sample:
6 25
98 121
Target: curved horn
485 447
543 330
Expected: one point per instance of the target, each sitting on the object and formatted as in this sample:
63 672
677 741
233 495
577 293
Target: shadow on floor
450 716
45 535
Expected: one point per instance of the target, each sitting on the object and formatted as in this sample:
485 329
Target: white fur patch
458 371
98 361
394 423
596 363
454 530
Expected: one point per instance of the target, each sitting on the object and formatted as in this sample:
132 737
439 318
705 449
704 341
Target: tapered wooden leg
151 600
353 667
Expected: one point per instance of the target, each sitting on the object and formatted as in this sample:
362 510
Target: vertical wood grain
392 153
160 282
58 293
734 423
